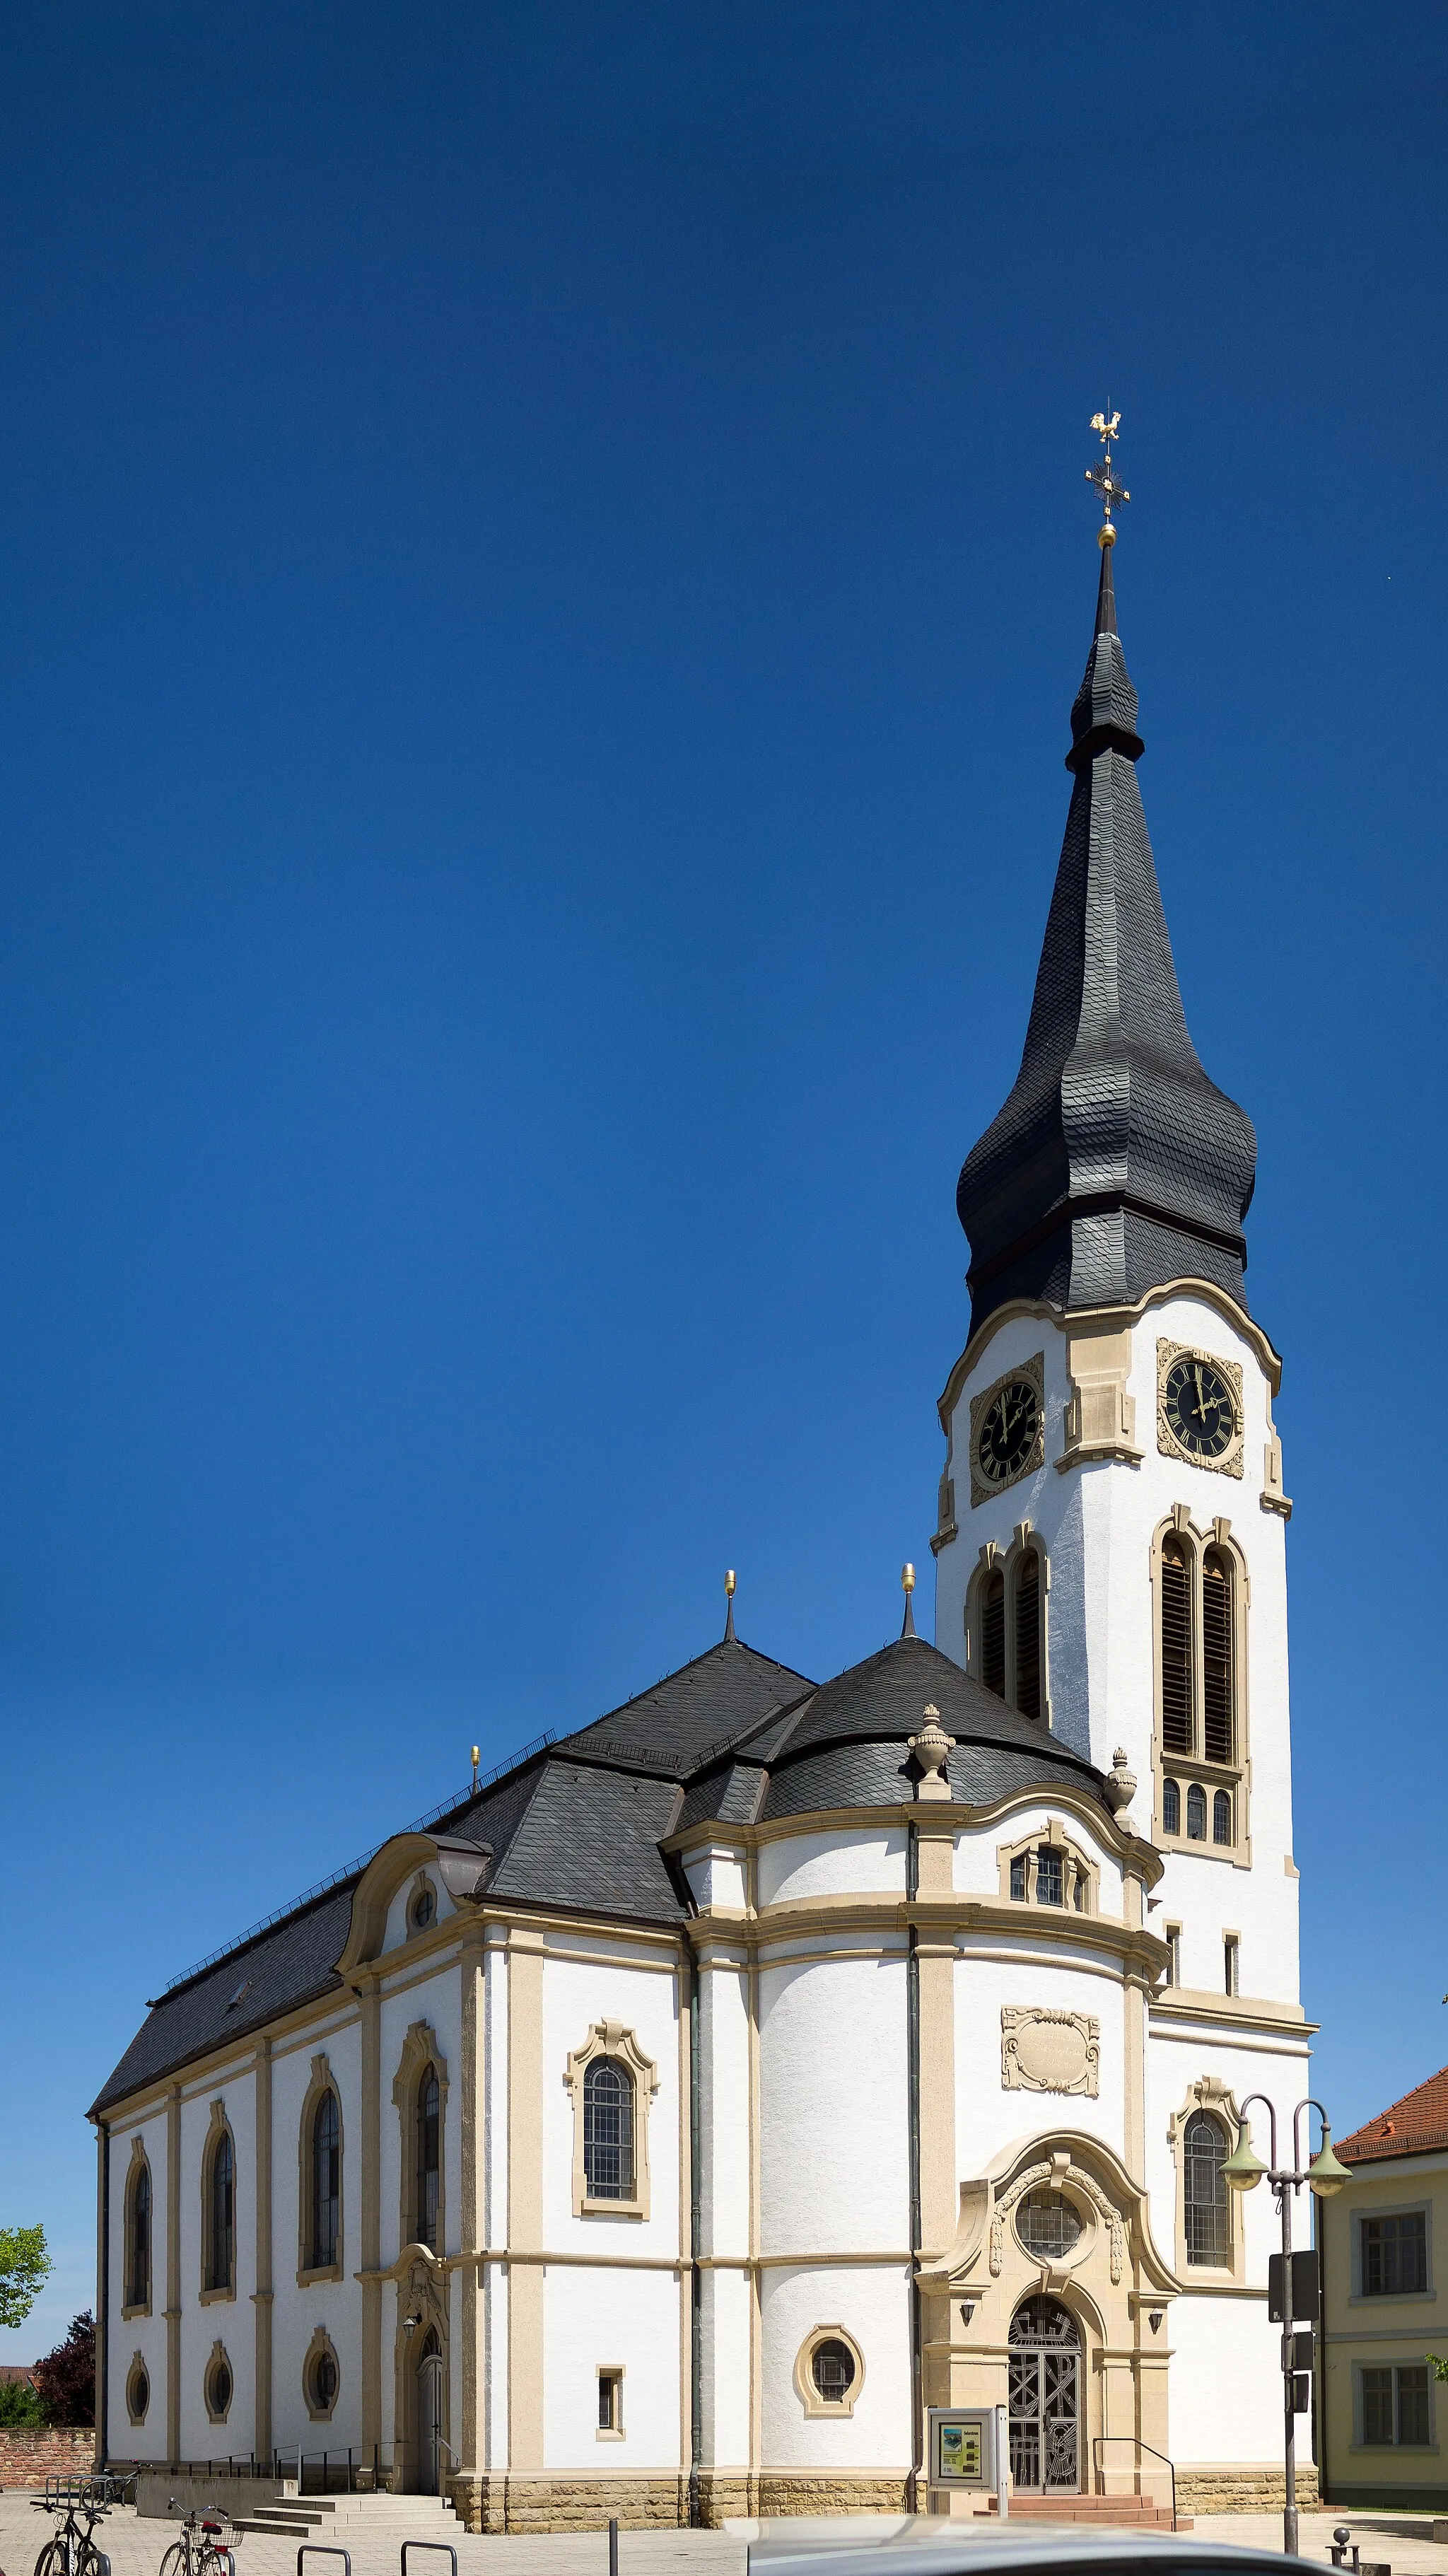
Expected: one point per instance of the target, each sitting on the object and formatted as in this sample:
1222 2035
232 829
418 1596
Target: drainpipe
696 2277
912 2043
103 2302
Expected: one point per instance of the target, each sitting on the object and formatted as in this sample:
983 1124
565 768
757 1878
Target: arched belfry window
326 2181
1204 2191
1201 1599
429 2157
1005 1625
608 2130
137 2292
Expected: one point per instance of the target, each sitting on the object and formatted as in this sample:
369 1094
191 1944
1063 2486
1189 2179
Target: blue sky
543 563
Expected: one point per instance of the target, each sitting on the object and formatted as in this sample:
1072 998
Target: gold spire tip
729 1580
907 1578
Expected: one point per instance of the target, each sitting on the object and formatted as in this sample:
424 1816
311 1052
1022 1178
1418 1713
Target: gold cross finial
1107 426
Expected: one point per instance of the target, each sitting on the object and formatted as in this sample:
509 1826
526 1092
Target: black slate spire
1115 1165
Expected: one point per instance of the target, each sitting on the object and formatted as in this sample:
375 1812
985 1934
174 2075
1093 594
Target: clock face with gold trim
1200 1410
1009 1430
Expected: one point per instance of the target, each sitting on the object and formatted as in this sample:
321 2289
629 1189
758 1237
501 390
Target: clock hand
1201 1399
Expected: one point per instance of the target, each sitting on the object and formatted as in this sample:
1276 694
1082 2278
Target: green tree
24 2267
19 2404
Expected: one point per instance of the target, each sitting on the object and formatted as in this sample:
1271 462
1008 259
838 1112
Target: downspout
912 2047
696 2278
103 2301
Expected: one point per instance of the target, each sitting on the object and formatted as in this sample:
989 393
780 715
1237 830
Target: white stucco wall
872 2304
833 2131
620 2320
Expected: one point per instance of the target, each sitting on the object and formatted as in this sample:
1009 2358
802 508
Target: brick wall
29 2454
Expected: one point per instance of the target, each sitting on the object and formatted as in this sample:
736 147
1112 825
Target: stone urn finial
930 1748
1120 1783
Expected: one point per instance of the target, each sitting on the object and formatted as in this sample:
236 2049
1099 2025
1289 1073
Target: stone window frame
217 2358
140 2163
424 1884
1026 1540
804 2380
140 2369
211 2291
321 2343
613 2039
320 2081
419 2050
1078 1870
617 2431
1193 1769
1207 2094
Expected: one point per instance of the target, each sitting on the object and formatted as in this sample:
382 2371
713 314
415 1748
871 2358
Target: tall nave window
429 2151
221 2213
326 2181
608 2130
138 2237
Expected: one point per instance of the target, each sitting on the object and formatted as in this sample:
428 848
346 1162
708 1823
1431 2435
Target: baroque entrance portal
1045 2398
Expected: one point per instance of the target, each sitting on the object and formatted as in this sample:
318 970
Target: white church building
663 2129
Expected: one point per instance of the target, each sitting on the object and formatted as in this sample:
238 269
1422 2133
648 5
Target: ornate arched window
1028 1634
608 2130
326 2181
993 1633
1176 1647
1217 1658
429 2151
1204 2191
138 2236
221 2214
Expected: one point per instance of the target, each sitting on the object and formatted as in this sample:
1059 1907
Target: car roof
941 2545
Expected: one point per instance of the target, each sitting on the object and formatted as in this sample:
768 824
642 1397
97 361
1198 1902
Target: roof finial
475 1769
907 1586
1107 426
729 1614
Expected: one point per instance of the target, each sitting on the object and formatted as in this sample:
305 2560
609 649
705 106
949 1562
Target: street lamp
1244 2169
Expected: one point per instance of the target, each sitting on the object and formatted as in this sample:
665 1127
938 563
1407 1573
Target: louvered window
993 1634
1176 1648
1217 1657
1028 1635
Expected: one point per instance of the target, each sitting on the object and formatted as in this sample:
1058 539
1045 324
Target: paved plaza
1402 2541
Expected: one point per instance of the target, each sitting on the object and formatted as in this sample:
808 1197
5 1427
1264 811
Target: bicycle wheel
175 2561
51 2561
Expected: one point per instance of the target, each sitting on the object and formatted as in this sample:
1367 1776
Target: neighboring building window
326 2181
993 1634
429 2145
1217 1627
1394 2255
1196 1813
1047 2224
1176 1648
1171 1807
832 2367
608 2130
138 2246
610 2401
1028 1634
1395 2405
1222 1816
221 2216
1204 2151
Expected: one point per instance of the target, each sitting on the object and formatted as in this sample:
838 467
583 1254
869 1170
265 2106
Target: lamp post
1323 2176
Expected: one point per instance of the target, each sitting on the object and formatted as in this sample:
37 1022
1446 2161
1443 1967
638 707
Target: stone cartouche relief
1049 2052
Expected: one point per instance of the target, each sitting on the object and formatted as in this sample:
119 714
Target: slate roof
1408 2128
1115 1164
579 1826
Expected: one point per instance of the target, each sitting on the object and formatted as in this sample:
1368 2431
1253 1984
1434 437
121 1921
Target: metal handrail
1137 2444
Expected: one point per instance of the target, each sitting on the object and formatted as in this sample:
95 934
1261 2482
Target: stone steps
1115 2512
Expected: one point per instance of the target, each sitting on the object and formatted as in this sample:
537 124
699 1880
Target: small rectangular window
610 2401
1018 1878
1050 1877
1174 1954
1394 2255
1230 1953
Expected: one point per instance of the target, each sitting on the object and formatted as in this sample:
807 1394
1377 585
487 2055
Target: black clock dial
1199 1406
1009 1432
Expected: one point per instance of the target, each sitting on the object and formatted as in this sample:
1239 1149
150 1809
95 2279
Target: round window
1048 2224
139 2394
832 2368
424 1906
324 2381
219 2387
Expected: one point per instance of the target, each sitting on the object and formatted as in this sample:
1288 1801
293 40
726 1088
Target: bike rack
445 2546
323 2549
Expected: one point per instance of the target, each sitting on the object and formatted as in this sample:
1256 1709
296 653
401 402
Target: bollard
613 2545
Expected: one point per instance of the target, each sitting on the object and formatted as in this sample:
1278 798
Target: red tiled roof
1406 2128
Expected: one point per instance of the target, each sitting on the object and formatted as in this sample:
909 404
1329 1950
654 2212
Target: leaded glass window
1171 1807
139 2290
326 2181
429 2152
1222 1816
608 2130
1196 1813
832 2368
222 2217
1048 2224
1204 2190
1018 1878
1050 1876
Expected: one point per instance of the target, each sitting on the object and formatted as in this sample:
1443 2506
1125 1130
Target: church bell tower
1110 1549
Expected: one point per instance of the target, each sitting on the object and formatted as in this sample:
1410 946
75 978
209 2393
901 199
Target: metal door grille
1045 2399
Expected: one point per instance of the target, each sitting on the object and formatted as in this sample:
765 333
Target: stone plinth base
1245 2490
505 2503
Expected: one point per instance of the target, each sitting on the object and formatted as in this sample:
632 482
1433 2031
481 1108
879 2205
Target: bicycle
200 2550
72 2551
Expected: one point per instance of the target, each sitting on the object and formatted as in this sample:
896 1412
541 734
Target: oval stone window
1048 2224
832 2367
